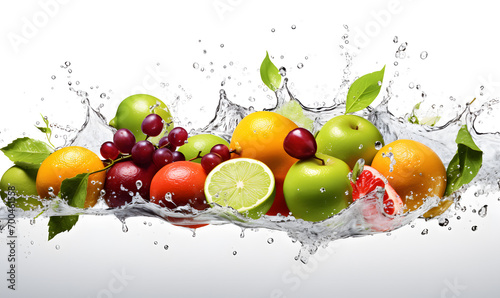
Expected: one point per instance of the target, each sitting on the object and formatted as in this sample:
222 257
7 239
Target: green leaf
74 191
44 129
364 91
466 163
357 170
26 152
270 74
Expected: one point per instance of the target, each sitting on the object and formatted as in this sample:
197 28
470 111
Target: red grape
162 157
109 151
300 143
152 125
178 136
164 143
178 156
210 161
222 150
124 140
142 153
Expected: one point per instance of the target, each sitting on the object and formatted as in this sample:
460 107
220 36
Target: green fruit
132 111
314 191
23 185
201 142
349 138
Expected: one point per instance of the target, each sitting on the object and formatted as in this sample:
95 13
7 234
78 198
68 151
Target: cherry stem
320 159
472 101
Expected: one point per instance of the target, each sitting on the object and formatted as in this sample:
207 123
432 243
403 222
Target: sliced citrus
368 181
244 184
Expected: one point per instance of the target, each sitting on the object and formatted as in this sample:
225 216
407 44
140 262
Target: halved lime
244 184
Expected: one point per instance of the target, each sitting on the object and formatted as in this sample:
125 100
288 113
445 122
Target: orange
416 172
178 184
260 135
67 163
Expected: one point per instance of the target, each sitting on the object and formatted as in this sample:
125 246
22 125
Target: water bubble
423 55
270 240
67 63
235 252
165 247
417 86
396 63
32 242
242 234
221 45
474 228
425 232
70 70
424 95
411 85
403 46
300 65
452 98
282 71
204 51
251 99
273 30
293 27
459 217
58 247
322 190
443 222
395 39
138 183
155 243
378 145
483 211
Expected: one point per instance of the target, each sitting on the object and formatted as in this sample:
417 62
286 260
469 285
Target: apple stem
320 159
197 156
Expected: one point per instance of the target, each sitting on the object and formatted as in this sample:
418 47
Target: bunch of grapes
143 153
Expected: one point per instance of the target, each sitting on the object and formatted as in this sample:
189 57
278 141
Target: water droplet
425 232
67 63
411 85
221 45
395 39
251 99
300 65
58 247
242 234
483 211
378 145
459 217
282 71
474 228
322 190
32 242
165 247
443 222
138 183
360 146
270 240
273 30
293 27
155 243
396 63
53 77
235 252
423 55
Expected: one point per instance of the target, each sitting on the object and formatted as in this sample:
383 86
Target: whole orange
178 184
414 170
66 163
260 135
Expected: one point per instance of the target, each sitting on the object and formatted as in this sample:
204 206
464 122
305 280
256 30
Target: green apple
20 184
314 191
201 142
132 111
349 138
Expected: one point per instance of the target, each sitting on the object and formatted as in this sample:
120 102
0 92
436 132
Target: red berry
300 144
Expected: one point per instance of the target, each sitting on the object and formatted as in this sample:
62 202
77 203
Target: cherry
300 144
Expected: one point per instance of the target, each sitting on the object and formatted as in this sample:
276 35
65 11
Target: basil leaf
26 152
466 163
364 91
74 191
270 74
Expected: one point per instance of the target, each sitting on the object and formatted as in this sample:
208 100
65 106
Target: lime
201 142
244 184
132 111
20 183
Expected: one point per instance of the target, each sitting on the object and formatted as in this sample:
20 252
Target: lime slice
244 184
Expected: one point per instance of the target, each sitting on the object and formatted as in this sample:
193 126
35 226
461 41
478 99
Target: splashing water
356 220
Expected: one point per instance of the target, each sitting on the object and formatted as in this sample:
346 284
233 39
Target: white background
126 47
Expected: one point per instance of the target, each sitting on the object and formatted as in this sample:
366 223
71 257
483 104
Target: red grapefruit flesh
368 181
